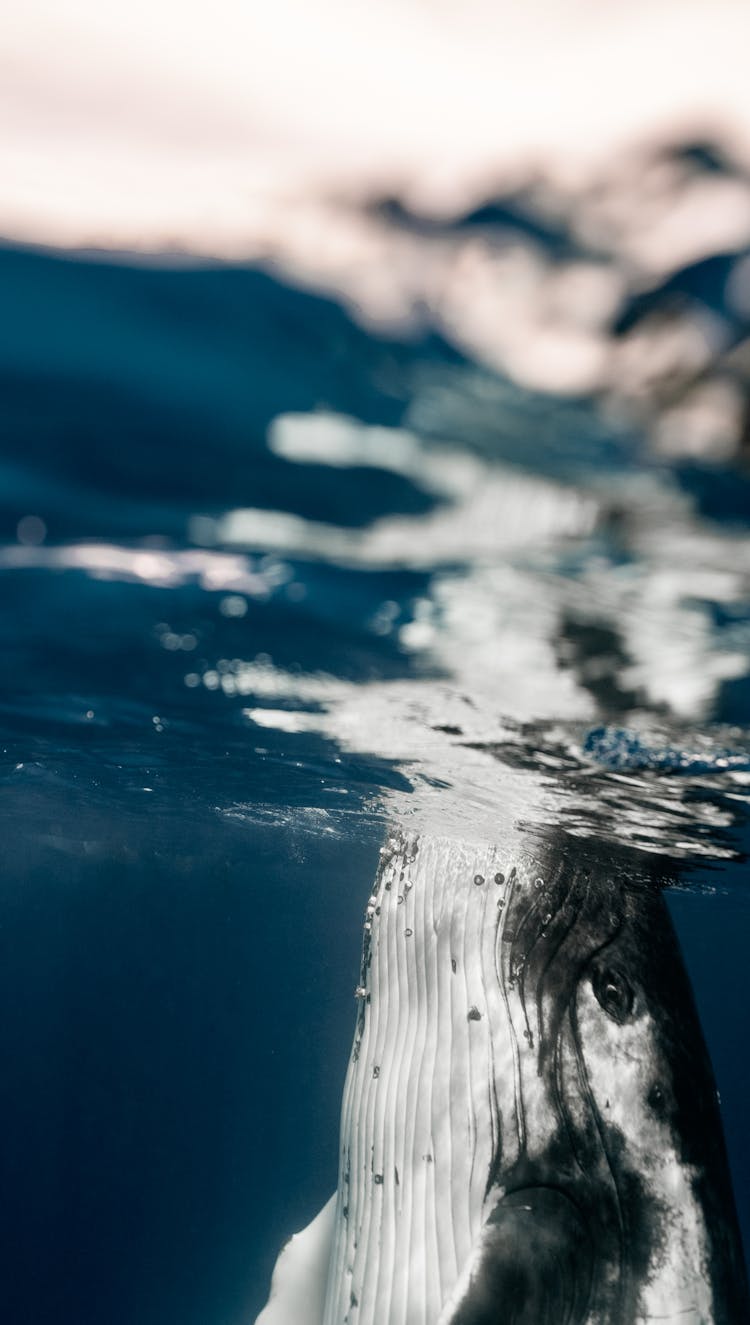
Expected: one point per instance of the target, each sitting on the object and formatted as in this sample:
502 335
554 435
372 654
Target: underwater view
375 726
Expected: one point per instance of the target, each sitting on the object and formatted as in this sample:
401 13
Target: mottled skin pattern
607 1196
577 1234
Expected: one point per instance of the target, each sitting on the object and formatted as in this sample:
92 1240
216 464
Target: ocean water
270 582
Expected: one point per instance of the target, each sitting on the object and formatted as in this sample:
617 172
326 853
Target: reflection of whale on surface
530 1133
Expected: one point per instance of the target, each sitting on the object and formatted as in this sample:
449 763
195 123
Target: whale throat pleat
420 1120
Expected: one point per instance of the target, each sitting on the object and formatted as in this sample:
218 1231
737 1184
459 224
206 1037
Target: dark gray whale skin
575 1233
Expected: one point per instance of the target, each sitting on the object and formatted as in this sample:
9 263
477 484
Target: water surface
269 583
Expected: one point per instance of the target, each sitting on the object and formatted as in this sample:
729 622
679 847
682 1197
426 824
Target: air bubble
31 530
479 879
499 878
233 605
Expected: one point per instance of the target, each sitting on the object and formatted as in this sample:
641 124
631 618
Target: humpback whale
530 1132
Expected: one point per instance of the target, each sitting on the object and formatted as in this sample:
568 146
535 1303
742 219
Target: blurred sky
178 124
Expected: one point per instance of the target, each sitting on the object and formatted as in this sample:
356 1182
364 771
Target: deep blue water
184 870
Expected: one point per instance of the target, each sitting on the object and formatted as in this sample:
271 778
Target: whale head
611 1198
530 1133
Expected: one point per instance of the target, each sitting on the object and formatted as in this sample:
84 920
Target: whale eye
613 992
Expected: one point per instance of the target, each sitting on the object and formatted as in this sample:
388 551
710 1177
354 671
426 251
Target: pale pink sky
177 123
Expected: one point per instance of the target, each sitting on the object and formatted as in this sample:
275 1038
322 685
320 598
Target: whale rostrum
529 1130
